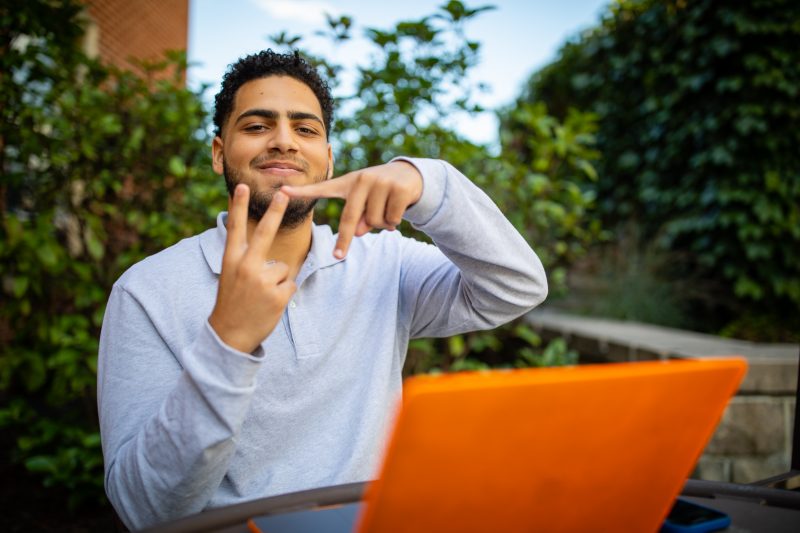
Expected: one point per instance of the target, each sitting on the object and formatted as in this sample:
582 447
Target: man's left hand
375 197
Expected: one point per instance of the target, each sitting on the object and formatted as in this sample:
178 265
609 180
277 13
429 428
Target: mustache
266 158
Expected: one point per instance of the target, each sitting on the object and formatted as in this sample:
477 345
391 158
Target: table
752 508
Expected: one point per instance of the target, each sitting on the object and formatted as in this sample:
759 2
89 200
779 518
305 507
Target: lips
280 165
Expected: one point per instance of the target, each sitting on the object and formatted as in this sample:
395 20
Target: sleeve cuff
214 362
434 186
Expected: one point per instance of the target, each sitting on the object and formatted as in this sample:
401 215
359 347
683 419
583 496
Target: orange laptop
589 448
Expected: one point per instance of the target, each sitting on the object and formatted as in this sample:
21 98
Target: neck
290 246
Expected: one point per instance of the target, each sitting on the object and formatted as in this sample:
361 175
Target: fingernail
338 253
280 198
239 190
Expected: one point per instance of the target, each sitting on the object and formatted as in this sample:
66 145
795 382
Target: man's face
274 136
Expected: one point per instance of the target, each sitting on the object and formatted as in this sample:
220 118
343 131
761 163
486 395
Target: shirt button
292 304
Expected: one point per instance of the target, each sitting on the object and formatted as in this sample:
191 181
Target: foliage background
101 168
698 105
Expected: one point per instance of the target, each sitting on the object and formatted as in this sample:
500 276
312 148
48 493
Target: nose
283 138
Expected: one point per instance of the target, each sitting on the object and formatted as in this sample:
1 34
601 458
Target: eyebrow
272 115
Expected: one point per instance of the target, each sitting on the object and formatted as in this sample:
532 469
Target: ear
216 155
331 161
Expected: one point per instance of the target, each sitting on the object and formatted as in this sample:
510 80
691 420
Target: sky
517 38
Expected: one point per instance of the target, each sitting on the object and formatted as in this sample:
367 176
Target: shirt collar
212 243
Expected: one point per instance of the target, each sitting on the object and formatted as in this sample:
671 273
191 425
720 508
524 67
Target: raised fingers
267 227
236 226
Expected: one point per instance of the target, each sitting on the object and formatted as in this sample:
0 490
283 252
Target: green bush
100 169
698 105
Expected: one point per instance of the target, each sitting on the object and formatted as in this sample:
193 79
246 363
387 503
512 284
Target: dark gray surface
748 516
753 492
752 509
339 519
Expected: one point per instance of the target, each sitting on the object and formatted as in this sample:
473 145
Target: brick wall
144 29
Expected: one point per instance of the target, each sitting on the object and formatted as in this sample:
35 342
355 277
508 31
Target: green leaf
41 464
93 245
746 287
19 285
48 254
92 440
527 334
456 345
177 167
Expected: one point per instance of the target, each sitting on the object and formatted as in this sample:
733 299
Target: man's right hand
253 292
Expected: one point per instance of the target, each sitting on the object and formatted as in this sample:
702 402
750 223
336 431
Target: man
264 356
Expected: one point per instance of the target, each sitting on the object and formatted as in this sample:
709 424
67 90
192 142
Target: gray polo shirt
188 423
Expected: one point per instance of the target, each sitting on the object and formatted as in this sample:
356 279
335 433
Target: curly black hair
268 63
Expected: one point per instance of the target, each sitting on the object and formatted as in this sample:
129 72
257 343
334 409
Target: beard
297 210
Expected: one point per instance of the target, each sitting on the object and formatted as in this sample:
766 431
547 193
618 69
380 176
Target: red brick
141 29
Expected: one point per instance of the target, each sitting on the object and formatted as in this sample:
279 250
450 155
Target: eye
306 130
255 128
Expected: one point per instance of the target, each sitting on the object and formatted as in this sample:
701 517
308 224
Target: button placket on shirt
301 326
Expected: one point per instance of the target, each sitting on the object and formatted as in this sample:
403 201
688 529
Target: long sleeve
168 428
481 273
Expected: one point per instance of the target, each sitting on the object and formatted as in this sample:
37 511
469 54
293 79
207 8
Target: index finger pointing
267 227
335 188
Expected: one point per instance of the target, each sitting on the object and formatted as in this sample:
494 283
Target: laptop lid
588 448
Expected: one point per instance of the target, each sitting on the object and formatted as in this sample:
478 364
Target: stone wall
754 438
752 442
